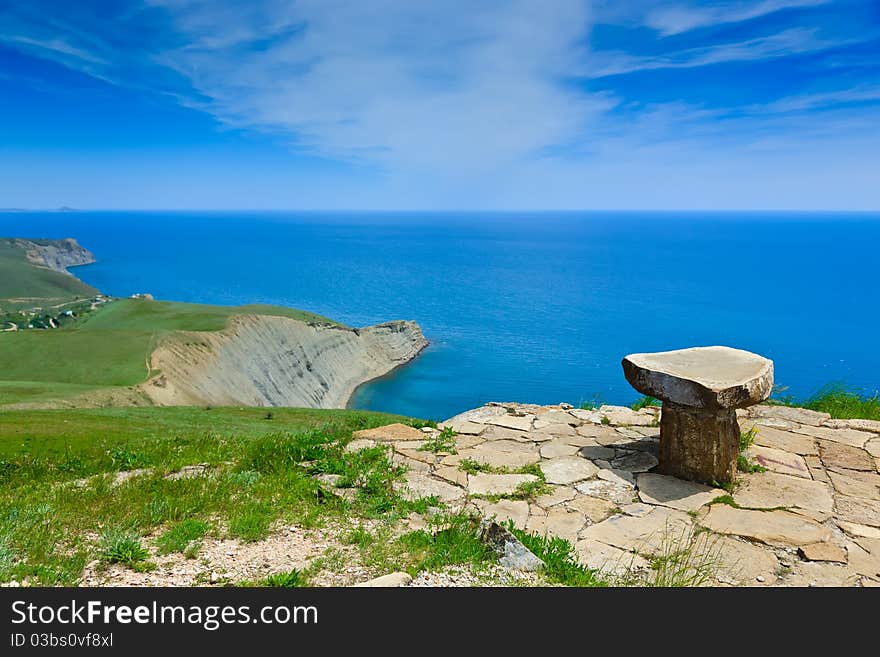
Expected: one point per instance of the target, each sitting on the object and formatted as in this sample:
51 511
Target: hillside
137 352
33 273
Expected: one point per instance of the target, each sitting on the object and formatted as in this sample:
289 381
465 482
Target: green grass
20 279
107 348
122 547
746 440
838 401
262 472
181 535
457 543
644 402
560 559
442 442
291 579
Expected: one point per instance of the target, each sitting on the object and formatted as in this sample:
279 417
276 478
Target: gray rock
390 580
511 552
566 470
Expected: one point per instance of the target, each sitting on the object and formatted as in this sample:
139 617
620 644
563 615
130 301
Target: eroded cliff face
275 361
56 254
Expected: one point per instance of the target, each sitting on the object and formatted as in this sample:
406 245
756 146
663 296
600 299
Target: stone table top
702 377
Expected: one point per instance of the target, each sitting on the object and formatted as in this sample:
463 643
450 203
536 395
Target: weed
442 442
123 548
746 440
559 557
605 420
180 536
645 402
251 523
689 558
458 542
289 580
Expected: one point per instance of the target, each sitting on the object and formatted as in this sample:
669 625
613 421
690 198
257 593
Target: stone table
700 388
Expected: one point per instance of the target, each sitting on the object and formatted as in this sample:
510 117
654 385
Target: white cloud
677 18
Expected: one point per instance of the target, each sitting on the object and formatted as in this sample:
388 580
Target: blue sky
394 104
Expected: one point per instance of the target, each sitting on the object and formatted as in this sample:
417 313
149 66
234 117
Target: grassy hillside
109 347
22 282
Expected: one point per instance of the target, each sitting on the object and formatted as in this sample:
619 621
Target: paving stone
779 461
560 522
779 528
787 441
552 431
850 437
822 573
594 508
408 444
389 433
675 493
579 441
608 490
822 552
584 415
418 455
864 425
863 556
598 452
623 416
739 561
844 456
768 490
857 509
557 495
622 477
873 447
512 422
557 448
466 441
648 432
504 510
855 483
635 462
466 428
412 465
601 434
607 559
857 530
452 475
645 534
799 415
567 470
817 470
478 415
497 484
629 434
557 417
359 444
637 509
487 454
500 433
418 485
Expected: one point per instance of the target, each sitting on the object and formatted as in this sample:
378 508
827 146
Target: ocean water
532 307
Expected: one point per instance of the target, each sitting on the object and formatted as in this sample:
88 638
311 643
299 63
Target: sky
440 105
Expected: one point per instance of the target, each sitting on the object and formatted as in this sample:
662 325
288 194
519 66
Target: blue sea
532 307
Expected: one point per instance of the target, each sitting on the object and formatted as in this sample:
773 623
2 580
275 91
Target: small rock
759 578
823 552
511 552
390 580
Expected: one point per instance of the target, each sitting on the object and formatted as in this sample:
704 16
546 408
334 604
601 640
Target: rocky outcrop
276 361
55 254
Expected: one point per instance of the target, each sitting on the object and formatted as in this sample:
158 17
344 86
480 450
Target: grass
746 440
181 535
123 547
457 543
108 348
644 402
838 401
21 279
686 559
442 442
262 473
559 557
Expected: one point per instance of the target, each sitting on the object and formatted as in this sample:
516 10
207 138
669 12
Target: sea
535 307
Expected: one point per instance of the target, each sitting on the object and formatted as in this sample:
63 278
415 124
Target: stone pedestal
700 388
698 445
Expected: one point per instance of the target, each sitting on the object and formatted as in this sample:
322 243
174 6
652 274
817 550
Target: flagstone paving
813 518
